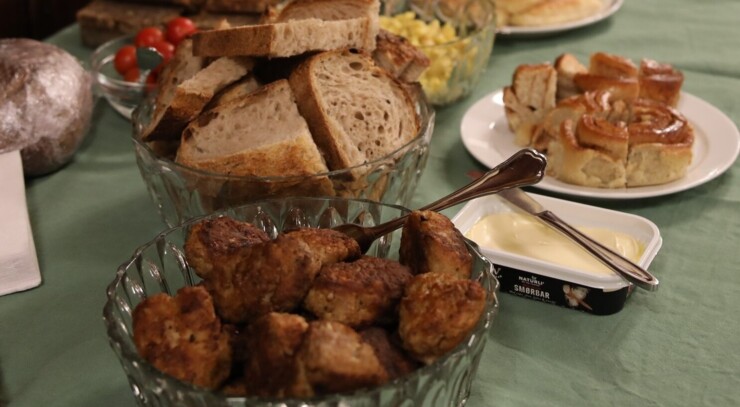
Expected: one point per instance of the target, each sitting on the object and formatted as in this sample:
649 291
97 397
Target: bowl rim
425 110
115 334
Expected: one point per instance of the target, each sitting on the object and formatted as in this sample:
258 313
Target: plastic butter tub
545 281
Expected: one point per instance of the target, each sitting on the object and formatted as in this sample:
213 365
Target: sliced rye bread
181 67
289 38
261 134
328 10
192 95
357 112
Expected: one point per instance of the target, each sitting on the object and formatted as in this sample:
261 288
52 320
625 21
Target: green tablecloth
678 346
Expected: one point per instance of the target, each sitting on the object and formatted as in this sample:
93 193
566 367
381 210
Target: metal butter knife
622 266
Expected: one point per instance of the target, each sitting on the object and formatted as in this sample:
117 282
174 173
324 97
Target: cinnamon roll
530 96
660 144
591 153
660 82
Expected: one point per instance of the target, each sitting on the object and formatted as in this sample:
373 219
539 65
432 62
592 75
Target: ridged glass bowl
455 64
160 266
181 192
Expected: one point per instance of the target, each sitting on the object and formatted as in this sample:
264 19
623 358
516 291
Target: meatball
358 293
430 243
220 243
276 275
328 246
271 368
183 337
437 312
389 352
335 359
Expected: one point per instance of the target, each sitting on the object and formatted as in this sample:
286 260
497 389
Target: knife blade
621 265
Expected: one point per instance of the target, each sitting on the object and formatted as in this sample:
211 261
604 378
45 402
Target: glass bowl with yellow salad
456 35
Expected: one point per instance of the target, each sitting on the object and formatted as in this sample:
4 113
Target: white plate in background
486 135
610 7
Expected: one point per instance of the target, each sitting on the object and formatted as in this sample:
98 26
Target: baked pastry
660 144
660 82
616 129
530 96
238 6
590 152
46 102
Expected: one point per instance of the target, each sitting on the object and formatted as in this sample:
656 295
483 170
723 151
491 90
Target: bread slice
238 6
284 39
357 112
399 57
190 96
328 10
261 134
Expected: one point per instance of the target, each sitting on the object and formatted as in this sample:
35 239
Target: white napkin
19 267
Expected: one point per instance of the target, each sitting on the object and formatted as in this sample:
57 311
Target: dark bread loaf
45 103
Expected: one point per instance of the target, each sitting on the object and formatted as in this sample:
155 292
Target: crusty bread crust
354 128
287 38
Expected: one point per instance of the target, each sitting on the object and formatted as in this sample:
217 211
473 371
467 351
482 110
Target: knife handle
625 268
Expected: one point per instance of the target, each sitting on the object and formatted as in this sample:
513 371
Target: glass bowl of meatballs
265 304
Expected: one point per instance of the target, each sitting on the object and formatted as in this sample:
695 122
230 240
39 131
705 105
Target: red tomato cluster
164 42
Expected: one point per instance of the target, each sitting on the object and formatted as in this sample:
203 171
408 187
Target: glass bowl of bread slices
455 38
608 124
296 105
195 318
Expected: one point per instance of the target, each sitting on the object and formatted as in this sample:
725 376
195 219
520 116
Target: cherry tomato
125 59
148 36
178 29
166 49
132 75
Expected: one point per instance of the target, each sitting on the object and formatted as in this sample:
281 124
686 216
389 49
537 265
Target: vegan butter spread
525 235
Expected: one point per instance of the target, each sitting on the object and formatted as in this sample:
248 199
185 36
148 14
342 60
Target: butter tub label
560 292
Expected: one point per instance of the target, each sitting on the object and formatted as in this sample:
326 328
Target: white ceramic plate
610 7
486 135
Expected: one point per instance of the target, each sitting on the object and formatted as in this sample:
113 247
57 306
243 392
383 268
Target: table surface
677 346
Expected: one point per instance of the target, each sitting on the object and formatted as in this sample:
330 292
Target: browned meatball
328 246
389 352
183 337
431 243
276 275
271 368
219 243
271 276
335 359
438 311
358 293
